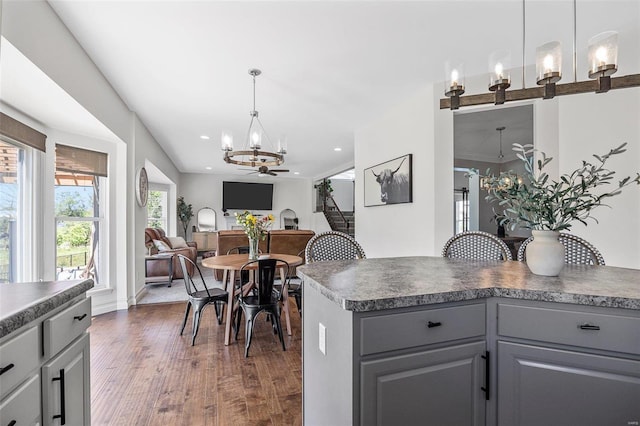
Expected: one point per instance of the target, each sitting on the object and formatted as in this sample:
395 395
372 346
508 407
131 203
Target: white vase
545 254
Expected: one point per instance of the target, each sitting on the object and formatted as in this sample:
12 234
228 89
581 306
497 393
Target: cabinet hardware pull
61 416
80 317
6 368
12 423
431 324
589 327
487 375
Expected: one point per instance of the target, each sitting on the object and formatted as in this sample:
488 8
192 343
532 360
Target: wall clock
142 187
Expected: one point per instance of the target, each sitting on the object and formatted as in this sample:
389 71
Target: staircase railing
328 196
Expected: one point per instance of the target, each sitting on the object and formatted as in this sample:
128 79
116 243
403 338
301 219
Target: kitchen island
430 340
44 353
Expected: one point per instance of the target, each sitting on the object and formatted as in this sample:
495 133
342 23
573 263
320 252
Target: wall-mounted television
247 196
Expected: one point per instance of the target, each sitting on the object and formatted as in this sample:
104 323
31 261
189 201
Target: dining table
230 264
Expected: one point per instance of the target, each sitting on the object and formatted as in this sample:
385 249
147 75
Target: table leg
285 300
231 291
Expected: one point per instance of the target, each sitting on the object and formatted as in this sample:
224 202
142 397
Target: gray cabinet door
543 386
67 399
437 387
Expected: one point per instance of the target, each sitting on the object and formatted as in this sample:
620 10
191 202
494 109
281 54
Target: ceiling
329 68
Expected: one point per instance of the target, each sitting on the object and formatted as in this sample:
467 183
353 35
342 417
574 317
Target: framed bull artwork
389 182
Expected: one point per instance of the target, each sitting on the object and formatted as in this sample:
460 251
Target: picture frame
390 182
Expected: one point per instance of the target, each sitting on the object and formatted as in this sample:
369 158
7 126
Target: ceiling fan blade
270 172
252 172
279 170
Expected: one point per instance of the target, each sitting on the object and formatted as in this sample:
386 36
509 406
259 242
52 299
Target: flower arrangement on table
546 206
255 228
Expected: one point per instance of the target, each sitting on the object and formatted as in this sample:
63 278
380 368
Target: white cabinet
44 369
66 388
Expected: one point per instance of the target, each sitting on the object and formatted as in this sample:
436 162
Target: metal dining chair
476 245
577 251
332 245
265 299
200 298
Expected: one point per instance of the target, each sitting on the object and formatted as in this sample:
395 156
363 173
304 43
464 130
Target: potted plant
185 213
546 206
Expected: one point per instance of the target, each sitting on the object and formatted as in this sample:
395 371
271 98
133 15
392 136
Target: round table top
235 261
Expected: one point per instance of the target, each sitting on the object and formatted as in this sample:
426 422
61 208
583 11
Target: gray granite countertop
21 303
386 283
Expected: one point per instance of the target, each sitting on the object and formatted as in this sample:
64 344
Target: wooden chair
476 245
199 298
577 251
332 245
265 299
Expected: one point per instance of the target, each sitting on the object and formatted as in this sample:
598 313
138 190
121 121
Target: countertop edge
472 294
42 307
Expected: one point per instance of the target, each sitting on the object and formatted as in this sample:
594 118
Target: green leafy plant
325 186
537 202
185 213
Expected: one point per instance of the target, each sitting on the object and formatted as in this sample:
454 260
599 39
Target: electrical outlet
322 338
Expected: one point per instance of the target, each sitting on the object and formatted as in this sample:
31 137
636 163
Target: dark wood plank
144 373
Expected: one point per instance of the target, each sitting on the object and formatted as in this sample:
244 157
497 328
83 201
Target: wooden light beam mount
588 86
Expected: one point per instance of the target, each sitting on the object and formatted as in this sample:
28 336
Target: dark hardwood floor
144 373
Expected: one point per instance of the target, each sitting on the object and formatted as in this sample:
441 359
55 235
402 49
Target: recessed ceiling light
296 173
337 148
205 137
208 167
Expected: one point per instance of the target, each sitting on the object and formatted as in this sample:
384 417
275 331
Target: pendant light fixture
252 154
602 58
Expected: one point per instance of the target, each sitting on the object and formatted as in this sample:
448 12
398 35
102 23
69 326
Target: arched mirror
288 219
483 140
206 219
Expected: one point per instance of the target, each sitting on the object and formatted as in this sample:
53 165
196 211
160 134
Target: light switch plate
322 338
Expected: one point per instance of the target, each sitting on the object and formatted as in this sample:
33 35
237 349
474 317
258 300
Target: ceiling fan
264 170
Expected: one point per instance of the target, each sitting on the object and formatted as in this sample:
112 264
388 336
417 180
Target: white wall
593 124
343 193
205 190
400 229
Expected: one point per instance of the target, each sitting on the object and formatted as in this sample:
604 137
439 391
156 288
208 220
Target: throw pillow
177 242
160 245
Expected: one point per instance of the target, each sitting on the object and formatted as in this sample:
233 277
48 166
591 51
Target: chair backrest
476 245
239 250
577 251
189 284
264 277
332 245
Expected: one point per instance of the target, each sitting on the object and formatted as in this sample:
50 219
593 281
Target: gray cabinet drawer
22 406
18 357
589 330
410 329
61 329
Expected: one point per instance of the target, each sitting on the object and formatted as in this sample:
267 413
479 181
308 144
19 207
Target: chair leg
186 315
279 327
237 322
248 332
220 311
298 302
196 323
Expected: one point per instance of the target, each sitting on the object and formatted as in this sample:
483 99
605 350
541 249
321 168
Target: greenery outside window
15 190
80 181
157 209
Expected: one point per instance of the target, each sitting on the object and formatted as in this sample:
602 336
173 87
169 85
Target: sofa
161 268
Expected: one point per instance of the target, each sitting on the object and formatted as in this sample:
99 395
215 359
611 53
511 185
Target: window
15 192
80 183
157 209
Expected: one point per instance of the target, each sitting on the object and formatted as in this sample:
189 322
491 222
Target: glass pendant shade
454 80
226 141
603 54
499 69
549 63
282 145
255 137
